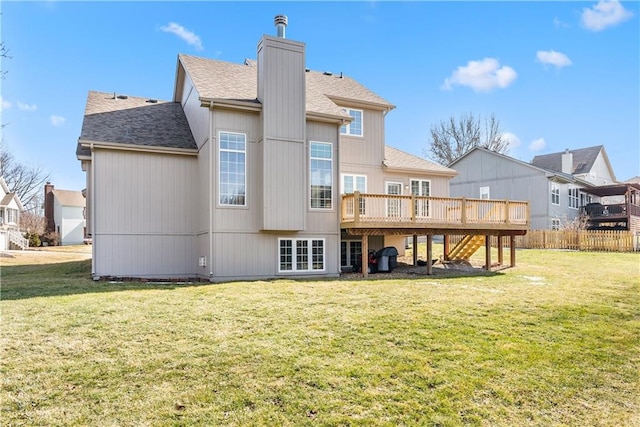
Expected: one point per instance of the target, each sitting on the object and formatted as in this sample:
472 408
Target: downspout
211 148
93 214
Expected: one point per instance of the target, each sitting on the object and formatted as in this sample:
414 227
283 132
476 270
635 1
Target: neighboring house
10 210
555 196
240 176
589 164
64 211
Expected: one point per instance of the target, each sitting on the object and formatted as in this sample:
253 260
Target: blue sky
556 74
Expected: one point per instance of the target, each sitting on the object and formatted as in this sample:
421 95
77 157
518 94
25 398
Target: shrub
52 238
34 239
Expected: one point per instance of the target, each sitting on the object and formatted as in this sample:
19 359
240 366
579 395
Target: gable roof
214 79
131 120
8 195
583 160
557 175
69 198
400 160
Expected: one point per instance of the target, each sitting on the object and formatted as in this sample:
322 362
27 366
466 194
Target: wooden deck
391 214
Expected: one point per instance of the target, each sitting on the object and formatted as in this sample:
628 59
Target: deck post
413 209
445 243
356 207
500 251
507 215
429 254
487 250
463 212
415 249
512 245
365 256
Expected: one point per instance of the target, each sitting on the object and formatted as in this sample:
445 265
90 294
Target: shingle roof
7 199
398 159
583 159
135 120
218 79
69 198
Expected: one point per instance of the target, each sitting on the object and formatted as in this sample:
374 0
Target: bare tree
32 223
4 54
452 138
26 181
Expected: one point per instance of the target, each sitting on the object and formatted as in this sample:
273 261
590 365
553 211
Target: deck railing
386 209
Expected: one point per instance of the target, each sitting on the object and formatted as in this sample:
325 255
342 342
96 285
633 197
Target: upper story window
12 216
353 183
573 198
484 193
555 194
355 127
233 169
321 171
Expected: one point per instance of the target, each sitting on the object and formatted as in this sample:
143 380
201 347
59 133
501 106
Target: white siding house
10 211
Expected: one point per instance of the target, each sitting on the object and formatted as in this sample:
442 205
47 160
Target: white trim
554 186
347 126
294 255
332 172
246 169
354 175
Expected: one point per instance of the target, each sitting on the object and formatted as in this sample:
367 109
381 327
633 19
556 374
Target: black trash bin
387 259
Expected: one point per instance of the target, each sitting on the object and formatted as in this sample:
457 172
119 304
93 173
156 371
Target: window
12 216
299 255
484 193
420 187
233 165
355 127
555 224
321 166
1 216
585 199
351 184
555 194
573 198
350 253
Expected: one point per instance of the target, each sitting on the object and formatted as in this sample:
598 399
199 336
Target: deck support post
487 252
512 246
415 249
429 254
445 242
500 251
365 255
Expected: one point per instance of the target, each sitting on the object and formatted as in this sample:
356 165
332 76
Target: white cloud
559 24
512 139
481 76
186 35
26 107
606 13
5 104
537 145
57 120
552 57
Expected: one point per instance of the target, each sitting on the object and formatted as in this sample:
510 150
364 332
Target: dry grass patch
554 341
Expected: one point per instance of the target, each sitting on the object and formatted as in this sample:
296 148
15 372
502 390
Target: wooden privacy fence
581 240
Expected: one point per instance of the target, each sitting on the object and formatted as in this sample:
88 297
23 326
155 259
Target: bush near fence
581 240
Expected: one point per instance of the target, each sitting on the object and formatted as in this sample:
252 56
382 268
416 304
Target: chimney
567 162
281 23
48 206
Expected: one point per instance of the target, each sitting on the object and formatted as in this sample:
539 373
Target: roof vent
152 101
328 73
123 97
280 22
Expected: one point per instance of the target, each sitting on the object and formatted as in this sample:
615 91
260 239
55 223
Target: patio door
394 207
421 187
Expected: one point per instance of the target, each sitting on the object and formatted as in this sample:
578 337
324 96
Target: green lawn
554 341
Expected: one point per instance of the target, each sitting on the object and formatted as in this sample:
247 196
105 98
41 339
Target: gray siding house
554 184
239 176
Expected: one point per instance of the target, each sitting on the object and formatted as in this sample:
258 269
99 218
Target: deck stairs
466 247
